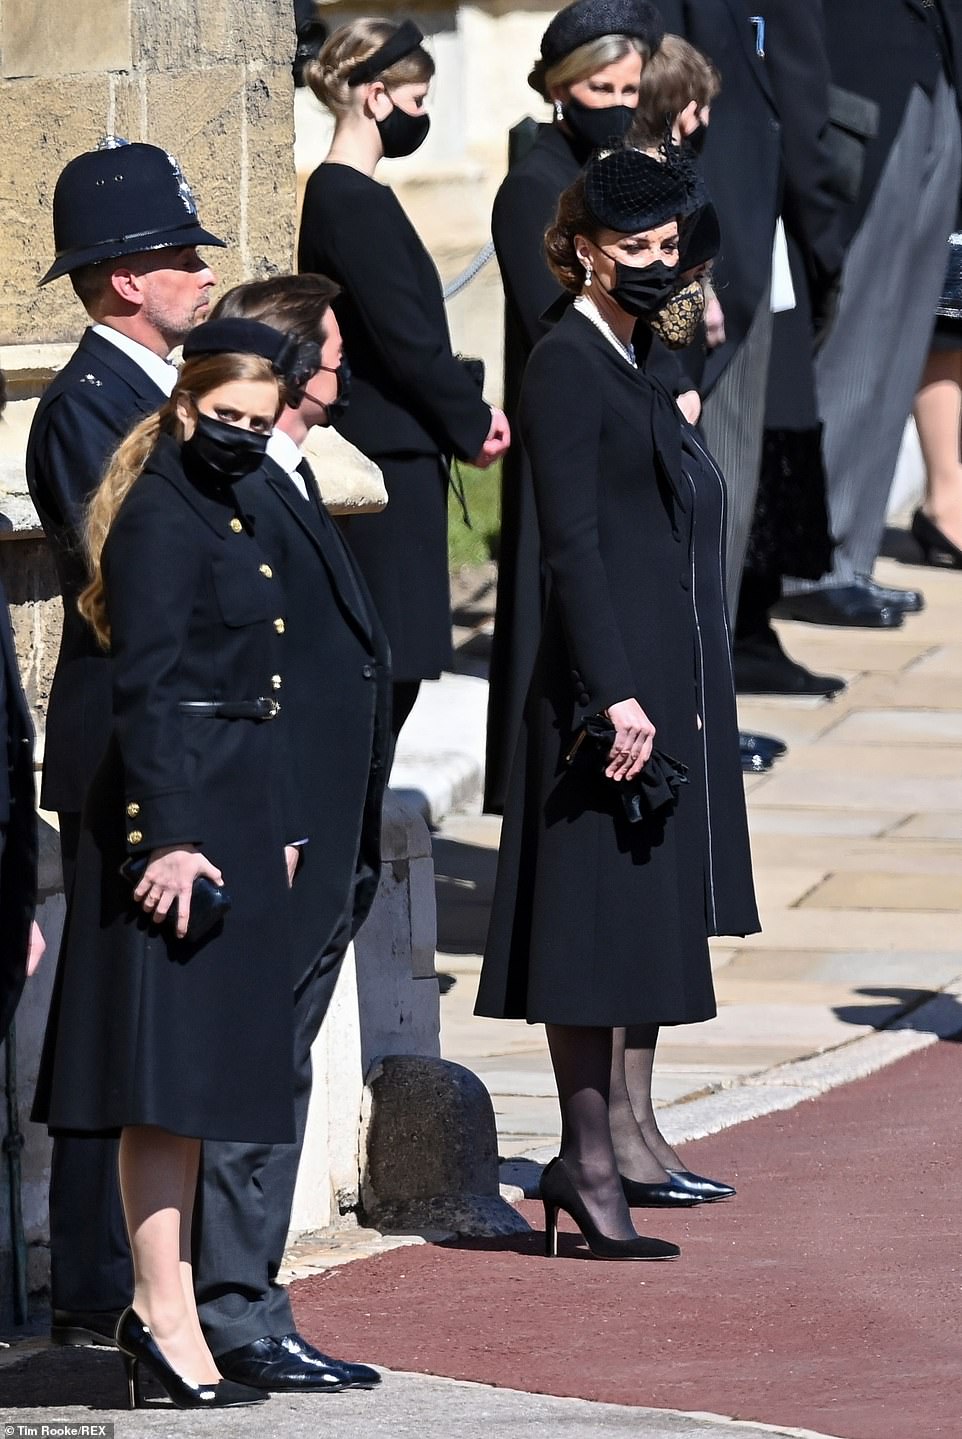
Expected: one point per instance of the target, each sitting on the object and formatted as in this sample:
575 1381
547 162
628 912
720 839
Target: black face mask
594 128
337 406
696 140
643 291
401 133
225 451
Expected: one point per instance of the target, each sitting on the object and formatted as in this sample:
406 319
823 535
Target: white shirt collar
162 372
285 453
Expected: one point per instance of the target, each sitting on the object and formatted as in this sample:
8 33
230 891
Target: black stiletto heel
133 1385
937 549
138 1346
559 1192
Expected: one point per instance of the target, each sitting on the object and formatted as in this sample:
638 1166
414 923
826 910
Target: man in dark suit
125 231
763 158
336 697
901 54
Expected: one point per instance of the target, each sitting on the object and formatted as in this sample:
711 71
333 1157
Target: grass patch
482 490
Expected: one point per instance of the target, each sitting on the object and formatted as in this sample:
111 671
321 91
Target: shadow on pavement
57 1378
883 1016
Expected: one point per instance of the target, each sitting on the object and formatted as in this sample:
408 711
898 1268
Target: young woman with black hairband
413 403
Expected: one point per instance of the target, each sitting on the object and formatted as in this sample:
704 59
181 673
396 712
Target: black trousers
245 1194
90 1267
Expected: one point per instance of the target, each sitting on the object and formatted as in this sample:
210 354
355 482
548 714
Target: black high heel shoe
138 1346
937 549
558 1192
666 1194
703 1190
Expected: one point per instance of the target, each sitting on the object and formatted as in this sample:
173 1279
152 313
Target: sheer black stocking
581 1058
635 1157
640 1042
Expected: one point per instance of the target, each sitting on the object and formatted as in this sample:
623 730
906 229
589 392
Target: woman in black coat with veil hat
600 922
592 55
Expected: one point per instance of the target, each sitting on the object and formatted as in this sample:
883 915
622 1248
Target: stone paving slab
860 889
903 726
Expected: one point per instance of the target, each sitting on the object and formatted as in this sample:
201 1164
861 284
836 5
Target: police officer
126 232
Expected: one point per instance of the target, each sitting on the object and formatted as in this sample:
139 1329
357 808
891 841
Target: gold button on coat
280 626
236 525
134 837
133 810
266 571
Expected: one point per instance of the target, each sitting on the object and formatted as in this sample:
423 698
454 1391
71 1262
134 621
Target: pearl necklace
585 307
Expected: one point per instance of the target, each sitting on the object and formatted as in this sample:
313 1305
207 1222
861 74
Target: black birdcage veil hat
629 190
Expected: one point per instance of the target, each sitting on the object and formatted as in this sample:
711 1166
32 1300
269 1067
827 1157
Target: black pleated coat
413 404
595 921
145 1028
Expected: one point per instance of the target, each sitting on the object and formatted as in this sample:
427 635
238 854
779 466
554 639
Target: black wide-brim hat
588 20
120 200
630 191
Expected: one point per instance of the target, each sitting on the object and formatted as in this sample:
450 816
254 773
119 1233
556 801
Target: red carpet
827 1296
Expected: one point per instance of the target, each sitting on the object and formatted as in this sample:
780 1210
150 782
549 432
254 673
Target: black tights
608 1125
404 695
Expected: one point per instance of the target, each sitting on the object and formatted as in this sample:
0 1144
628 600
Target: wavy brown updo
348 47
573 218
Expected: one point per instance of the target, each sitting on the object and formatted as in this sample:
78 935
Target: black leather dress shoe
84 1326
292 1366
707 1190
665 1195
910 602
770 671
764 744
754 761
846 605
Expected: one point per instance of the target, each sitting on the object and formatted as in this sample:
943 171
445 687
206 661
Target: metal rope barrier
460 282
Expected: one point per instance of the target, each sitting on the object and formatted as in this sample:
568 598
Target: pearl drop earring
559 110
587 267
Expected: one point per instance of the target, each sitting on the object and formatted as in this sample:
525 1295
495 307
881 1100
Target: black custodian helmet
119 200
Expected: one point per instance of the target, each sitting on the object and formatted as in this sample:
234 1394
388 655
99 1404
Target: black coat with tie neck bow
85 412
145 1028
335 697
596 921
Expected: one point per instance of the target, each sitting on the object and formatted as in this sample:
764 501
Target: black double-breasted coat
596 921
413 404
85 412
335 700
145 1028
18 826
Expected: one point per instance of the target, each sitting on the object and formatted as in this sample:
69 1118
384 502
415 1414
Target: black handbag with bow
650 792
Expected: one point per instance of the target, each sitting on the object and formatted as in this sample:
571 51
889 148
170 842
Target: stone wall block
46 37
44 123
185 34
269 167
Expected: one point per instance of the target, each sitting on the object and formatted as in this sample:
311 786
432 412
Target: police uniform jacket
596 921
334 692
18 826
413 404
145 1028
95 400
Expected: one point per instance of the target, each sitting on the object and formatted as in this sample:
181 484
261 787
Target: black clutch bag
209 902
652 791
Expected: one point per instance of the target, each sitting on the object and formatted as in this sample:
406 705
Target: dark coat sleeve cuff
158 820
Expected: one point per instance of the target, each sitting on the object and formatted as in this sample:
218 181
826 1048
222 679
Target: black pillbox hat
241 337
588 20
627 190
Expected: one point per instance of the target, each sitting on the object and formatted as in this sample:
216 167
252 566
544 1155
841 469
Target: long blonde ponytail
124 469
